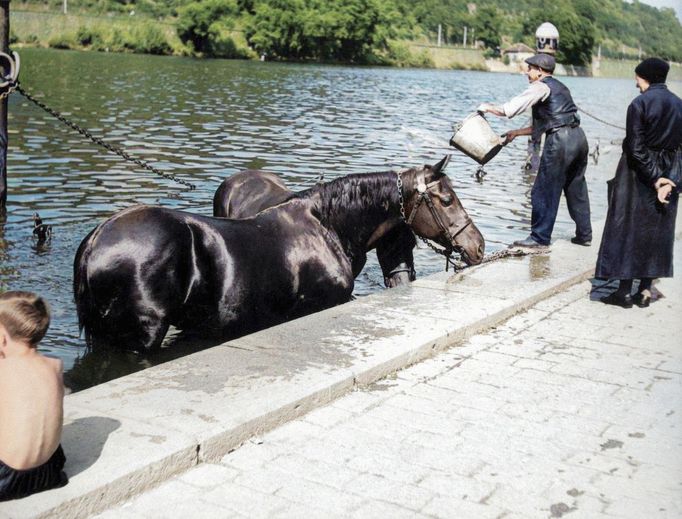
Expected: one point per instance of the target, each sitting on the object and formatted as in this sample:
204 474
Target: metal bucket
474 137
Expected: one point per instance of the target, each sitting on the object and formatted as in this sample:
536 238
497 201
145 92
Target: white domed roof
547 30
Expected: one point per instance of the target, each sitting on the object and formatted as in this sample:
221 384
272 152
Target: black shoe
641 300
618 300
529 243
580 241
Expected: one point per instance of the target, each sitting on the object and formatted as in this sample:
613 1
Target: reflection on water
205 120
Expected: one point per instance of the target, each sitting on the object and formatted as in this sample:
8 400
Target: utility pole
439 32
4 47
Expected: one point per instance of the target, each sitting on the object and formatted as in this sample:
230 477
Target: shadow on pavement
83 441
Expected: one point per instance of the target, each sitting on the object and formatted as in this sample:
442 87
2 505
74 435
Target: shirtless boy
31 400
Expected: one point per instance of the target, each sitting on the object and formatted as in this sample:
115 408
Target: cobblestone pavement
571 409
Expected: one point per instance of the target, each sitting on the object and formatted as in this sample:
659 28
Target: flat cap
544 61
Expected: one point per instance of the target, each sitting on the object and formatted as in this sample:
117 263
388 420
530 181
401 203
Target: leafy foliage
488 25
338 30
359 30
201 24
576 32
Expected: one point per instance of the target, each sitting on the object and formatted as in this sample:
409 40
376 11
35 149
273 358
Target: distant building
518 52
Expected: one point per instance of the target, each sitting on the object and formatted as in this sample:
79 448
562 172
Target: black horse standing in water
245 194
147 268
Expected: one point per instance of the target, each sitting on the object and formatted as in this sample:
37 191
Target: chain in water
85 133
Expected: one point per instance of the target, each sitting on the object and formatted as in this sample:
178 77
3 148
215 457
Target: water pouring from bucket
475 138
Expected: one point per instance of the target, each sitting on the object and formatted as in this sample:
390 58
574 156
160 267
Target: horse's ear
439 168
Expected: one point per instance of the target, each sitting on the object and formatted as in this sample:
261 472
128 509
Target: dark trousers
562 168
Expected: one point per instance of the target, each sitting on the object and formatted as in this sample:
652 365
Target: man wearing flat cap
564 157
640 224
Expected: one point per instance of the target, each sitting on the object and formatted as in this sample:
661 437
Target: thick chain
85 133
443 252
500 254
7 92
399 183
601 120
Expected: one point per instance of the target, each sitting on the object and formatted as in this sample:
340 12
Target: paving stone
315 469
465 489
245 501
570 409
309 493
448 507
380 509
328 417
650 507
267 480
377 487
173 498
122 512
250 455
208 475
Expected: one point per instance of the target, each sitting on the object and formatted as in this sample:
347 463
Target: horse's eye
446 200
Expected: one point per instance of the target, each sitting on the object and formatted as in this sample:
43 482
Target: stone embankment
132 434
569 409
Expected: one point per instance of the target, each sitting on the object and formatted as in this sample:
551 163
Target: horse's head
433 211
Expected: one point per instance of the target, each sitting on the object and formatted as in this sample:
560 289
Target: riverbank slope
144 35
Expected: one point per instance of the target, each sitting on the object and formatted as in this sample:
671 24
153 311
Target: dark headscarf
654 70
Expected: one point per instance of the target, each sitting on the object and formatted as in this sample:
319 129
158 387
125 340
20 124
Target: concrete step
126 435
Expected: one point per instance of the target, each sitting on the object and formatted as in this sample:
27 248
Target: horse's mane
353 205
349 194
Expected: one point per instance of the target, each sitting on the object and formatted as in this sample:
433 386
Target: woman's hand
664 186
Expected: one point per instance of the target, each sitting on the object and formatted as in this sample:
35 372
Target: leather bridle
425 197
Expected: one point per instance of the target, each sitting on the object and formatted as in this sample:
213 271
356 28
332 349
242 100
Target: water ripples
205 120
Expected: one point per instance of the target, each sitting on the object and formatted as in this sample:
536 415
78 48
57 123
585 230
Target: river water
205 120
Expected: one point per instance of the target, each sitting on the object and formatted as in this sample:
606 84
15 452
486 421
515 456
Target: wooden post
4 47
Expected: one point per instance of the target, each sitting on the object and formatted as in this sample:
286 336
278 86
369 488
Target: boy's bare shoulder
55 363
18 367
4 367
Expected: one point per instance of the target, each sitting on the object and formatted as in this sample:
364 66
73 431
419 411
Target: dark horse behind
147 268
245 194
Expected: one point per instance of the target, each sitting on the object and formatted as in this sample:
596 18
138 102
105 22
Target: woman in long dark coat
640 224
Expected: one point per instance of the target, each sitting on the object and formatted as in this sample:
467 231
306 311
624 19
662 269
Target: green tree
276 28
488 25
339 30
344 30
200 24
576 34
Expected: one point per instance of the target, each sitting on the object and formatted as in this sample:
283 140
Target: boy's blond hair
25 316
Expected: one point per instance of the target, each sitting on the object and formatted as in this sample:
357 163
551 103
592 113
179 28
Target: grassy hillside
355 31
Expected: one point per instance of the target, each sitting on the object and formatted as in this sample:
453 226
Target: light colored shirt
537 91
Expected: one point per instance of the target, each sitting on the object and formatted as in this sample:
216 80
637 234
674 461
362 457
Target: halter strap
425 197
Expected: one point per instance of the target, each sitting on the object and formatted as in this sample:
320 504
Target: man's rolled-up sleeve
536 92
